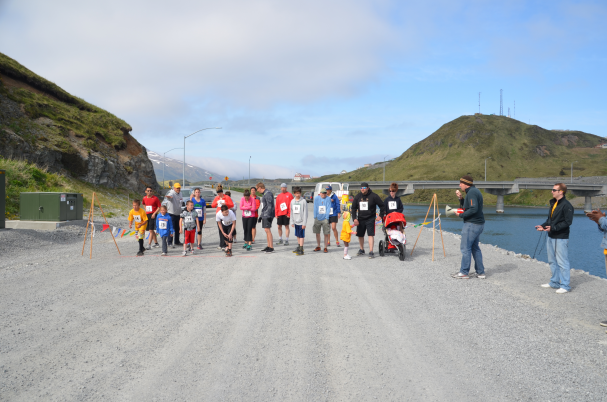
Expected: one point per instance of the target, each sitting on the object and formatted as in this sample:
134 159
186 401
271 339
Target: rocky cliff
43 124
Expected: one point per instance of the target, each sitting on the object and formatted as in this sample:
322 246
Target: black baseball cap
365 184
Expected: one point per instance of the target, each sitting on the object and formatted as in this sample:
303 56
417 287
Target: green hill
516 150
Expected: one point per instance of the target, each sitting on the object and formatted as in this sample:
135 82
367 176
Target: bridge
498 188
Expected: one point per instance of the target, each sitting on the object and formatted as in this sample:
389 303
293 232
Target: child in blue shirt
164 228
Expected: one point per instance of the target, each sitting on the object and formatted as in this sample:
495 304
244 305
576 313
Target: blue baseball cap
329 188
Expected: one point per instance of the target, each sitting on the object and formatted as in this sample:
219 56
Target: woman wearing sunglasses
392 202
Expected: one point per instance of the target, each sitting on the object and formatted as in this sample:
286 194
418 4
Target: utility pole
385 167
164 163
572 171
479 103
186 136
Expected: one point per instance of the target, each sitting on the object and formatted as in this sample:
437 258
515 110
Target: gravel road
277 327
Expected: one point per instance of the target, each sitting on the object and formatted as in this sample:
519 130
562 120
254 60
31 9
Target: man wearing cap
334 214
173 201
322 207
363 212
283 213
474 223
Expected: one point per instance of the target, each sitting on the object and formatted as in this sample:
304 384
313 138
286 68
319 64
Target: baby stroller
395 239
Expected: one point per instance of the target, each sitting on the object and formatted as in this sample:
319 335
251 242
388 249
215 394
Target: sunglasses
363 188
393 191
555 189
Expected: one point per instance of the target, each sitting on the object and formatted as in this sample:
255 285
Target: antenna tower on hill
508 112
501 103
479 102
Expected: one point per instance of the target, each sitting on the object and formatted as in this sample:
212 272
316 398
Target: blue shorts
299 232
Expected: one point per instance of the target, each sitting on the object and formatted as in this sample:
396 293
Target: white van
338 188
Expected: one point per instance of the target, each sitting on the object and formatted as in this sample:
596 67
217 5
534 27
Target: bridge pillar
501 192
588 194
587 204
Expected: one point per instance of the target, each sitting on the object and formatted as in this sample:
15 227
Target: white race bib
228 223
296 208
220 203
322 209
137 218
148 208
162 224
364 205
247 213
283 206
392 205
188 219
331 211
199 212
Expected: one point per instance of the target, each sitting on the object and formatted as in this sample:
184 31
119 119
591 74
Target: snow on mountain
173 169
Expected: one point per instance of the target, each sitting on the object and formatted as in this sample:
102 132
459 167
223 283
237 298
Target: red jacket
227 201
283 204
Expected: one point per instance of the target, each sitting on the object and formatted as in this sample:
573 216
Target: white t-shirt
226 220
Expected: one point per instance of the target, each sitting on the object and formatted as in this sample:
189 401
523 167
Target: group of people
167 221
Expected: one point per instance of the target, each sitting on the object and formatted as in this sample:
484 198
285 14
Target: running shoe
244 245
325 250
360 252
199 247
249 248
296 250
371 254
279 241
459 275
192 251
219 248
264 250
149 247
317 249
269 250
156 245
603 323
561 291
184 254
337 244
286 243
347 257
140 254
163 254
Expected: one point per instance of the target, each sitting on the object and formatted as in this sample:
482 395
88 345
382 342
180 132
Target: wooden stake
111 234
87 227
421 228
93 219
441 234
433 223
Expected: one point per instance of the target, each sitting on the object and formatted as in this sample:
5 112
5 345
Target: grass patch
26 177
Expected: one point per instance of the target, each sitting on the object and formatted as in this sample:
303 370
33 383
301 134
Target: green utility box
2 199
55 207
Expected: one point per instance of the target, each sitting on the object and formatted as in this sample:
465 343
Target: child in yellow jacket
140 218
346 233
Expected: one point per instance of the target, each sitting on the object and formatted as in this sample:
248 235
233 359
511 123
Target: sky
314 87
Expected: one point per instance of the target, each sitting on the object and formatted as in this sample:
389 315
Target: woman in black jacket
393 203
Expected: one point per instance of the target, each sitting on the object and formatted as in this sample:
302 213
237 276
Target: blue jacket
169 225
320 202
603 228
335 205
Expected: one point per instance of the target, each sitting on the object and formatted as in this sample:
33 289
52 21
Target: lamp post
164 163
186 136
572 171
385 167
249 181
486 168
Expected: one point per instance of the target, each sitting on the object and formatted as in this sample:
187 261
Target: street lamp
572 171
249 182
163 163
486 168
186 136
385 167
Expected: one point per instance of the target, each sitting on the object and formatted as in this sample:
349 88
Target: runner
258 202
334 214
322 207
151 205
266 215
248 206
363 212
233 209
283 213
173 201
200 206
226 222
220 200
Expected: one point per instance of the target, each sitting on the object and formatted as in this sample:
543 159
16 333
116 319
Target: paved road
285 328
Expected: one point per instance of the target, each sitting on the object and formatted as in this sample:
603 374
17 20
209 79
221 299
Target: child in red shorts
189 225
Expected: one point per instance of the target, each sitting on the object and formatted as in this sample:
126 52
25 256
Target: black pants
222 240
175 221
247 226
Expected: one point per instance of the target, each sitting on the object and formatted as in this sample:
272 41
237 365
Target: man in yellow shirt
140 218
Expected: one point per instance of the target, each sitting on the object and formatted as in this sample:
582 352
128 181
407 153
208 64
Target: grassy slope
461 146
68 112
25 177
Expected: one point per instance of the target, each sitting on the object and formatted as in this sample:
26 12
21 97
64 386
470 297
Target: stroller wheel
381 248
401 252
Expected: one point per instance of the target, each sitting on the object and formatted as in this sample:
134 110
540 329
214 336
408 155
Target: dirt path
286 328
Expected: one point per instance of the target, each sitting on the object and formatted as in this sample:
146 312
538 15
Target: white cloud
154 57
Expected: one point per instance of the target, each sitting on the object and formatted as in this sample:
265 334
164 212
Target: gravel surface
285 328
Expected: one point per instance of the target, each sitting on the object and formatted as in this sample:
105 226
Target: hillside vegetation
27 177
516 150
